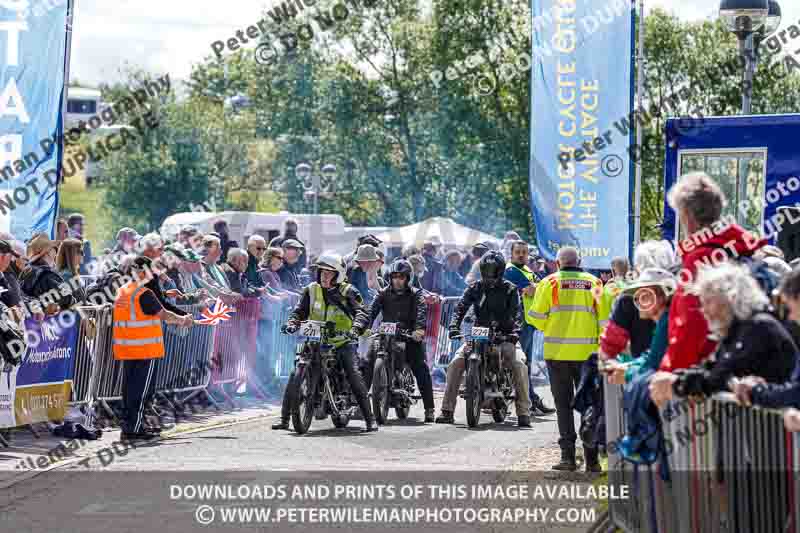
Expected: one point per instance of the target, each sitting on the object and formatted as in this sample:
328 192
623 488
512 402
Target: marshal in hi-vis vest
527 301
329 313
568 309
135 334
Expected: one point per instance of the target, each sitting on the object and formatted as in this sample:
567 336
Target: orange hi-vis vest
136 335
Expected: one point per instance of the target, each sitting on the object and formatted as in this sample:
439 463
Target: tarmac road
141 489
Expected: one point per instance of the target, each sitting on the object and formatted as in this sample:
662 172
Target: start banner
39 388
580 170
33 68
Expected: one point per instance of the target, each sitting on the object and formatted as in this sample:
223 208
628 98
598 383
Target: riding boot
282 424
429 415
446 417
592 461
567 460
363 404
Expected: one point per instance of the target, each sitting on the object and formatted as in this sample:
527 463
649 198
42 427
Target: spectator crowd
719 313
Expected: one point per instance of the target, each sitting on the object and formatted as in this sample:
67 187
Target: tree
696 56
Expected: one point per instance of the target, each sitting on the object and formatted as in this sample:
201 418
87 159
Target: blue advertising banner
39 388
33 61
582 96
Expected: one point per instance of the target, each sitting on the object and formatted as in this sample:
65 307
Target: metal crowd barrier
732 468
92 337
442 349
235 348
187 363
185 367
276 352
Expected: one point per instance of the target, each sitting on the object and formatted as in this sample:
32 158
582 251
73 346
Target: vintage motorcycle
392 380
320 387
489 383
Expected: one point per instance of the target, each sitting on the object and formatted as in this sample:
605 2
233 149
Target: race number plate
480 334
312 330
388 328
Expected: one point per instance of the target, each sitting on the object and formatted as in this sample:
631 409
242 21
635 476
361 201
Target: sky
169 36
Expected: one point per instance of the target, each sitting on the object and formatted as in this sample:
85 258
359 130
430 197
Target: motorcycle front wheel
474 395
302 404
340 421
380 391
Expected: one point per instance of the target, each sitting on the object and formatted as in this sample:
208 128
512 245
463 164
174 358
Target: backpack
766 278
104 285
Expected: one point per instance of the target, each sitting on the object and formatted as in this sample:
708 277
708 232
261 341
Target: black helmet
493 266
401 266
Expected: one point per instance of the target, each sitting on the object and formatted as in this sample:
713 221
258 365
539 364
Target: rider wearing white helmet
332 299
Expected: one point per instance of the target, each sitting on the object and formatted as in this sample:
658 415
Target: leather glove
453 333
356 332
288 329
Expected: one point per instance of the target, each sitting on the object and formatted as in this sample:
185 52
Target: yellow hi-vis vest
135 335
567 308
610 293
527 301
329 313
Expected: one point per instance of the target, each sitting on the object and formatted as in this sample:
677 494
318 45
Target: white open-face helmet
331 261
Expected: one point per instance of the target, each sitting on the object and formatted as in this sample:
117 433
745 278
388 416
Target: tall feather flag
219 312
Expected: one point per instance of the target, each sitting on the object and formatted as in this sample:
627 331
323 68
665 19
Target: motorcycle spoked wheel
502 406
302 408
499 411
340 421
380 391
474 396
402 410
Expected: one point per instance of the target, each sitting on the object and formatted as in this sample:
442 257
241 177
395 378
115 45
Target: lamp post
316 184
749 20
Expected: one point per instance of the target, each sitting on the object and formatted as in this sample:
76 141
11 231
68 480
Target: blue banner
582 98
33 61
39 388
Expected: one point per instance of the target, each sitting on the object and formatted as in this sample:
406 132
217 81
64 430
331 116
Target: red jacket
688 329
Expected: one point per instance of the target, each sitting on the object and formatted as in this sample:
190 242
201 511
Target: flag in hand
219 312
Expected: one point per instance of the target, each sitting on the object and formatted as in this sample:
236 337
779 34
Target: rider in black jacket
404 305
493 299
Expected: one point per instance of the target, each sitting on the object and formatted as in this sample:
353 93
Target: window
740 174
87 107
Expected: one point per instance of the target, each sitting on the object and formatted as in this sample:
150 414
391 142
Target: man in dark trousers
138 340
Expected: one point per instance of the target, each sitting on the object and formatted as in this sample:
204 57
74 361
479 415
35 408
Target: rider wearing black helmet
494 299
405 305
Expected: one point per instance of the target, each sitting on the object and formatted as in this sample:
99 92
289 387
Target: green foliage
424 152
688 54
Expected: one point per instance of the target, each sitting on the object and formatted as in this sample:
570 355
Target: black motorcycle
392 379
320 387
489 383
